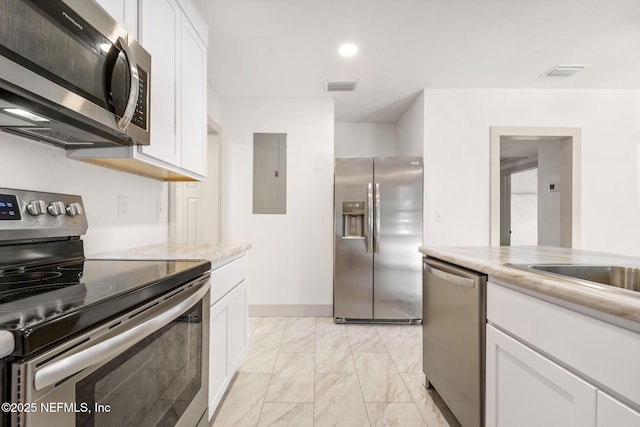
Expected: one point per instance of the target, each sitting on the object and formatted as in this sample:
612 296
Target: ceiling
288 48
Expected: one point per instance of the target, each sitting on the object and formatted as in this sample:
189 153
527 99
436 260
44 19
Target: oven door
148 367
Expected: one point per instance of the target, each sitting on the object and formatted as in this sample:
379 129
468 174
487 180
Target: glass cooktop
41 305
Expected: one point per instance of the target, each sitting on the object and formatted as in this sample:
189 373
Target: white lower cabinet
525 389
228 328
612 413
218 354
547 365
238 336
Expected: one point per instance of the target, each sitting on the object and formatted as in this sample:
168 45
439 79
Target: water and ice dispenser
352 219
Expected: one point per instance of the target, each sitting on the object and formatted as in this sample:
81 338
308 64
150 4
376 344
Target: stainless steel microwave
71 76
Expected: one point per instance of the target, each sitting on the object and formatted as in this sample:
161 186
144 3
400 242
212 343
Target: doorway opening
194 207
535 186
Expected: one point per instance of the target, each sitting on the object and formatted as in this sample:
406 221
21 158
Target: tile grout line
264 398
364 403
315 349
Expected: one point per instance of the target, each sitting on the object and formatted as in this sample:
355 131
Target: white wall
457 151
410 129
291 259
213 104
32 165
365 139
549 171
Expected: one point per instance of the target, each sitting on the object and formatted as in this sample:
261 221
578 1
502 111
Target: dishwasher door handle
449 277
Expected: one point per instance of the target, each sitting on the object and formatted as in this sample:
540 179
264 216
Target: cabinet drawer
227 276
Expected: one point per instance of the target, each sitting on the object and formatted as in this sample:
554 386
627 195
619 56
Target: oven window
152 383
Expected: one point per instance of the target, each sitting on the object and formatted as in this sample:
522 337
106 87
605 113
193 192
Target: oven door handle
63 368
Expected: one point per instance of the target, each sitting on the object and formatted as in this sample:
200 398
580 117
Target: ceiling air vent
566 70
340 86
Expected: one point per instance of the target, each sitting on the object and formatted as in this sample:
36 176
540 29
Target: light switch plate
123 206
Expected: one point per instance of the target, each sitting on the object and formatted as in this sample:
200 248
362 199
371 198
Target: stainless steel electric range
95 342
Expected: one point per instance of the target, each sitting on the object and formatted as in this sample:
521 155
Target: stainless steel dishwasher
453 326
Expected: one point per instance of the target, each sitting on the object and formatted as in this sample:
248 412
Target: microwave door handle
132 101
106 350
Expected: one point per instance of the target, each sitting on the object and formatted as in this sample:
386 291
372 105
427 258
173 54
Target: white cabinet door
160 35
525 389
193 91
239 333
123 11
218 351
612 413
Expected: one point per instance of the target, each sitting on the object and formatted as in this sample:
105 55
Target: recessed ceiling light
348 49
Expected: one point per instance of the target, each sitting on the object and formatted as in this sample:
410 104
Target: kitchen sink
612 275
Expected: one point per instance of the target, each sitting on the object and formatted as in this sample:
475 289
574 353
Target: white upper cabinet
176 35
123 11
193 93
179 83
160 36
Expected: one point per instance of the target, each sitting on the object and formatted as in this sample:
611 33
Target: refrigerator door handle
376 233
369 229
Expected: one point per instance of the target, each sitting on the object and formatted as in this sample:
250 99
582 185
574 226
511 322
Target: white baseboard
291 310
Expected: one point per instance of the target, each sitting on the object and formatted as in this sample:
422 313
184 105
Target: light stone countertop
600 298
217 254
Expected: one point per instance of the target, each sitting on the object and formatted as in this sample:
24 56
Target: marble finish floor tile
271 325
365 339
415 332
299 339
243 403
394 415
302 322
379 379
339 362
286 415
326 327
262 354
333 356
292 379
253 324
405 353
338 401
310 371
425 403
391 330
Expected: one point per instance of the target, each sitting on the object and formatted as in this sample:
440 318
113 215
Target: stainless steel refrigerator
378 229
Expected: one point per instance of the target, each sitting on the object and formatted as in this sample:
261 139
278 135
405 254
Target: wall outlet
439 216
123 206
554 186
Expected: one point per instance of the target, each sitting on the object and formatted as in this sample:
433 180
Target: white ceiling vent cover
340 86
566 70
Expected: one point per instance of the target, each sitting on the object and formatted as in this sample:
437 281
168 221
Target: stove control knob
56 208
74 209
36 207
